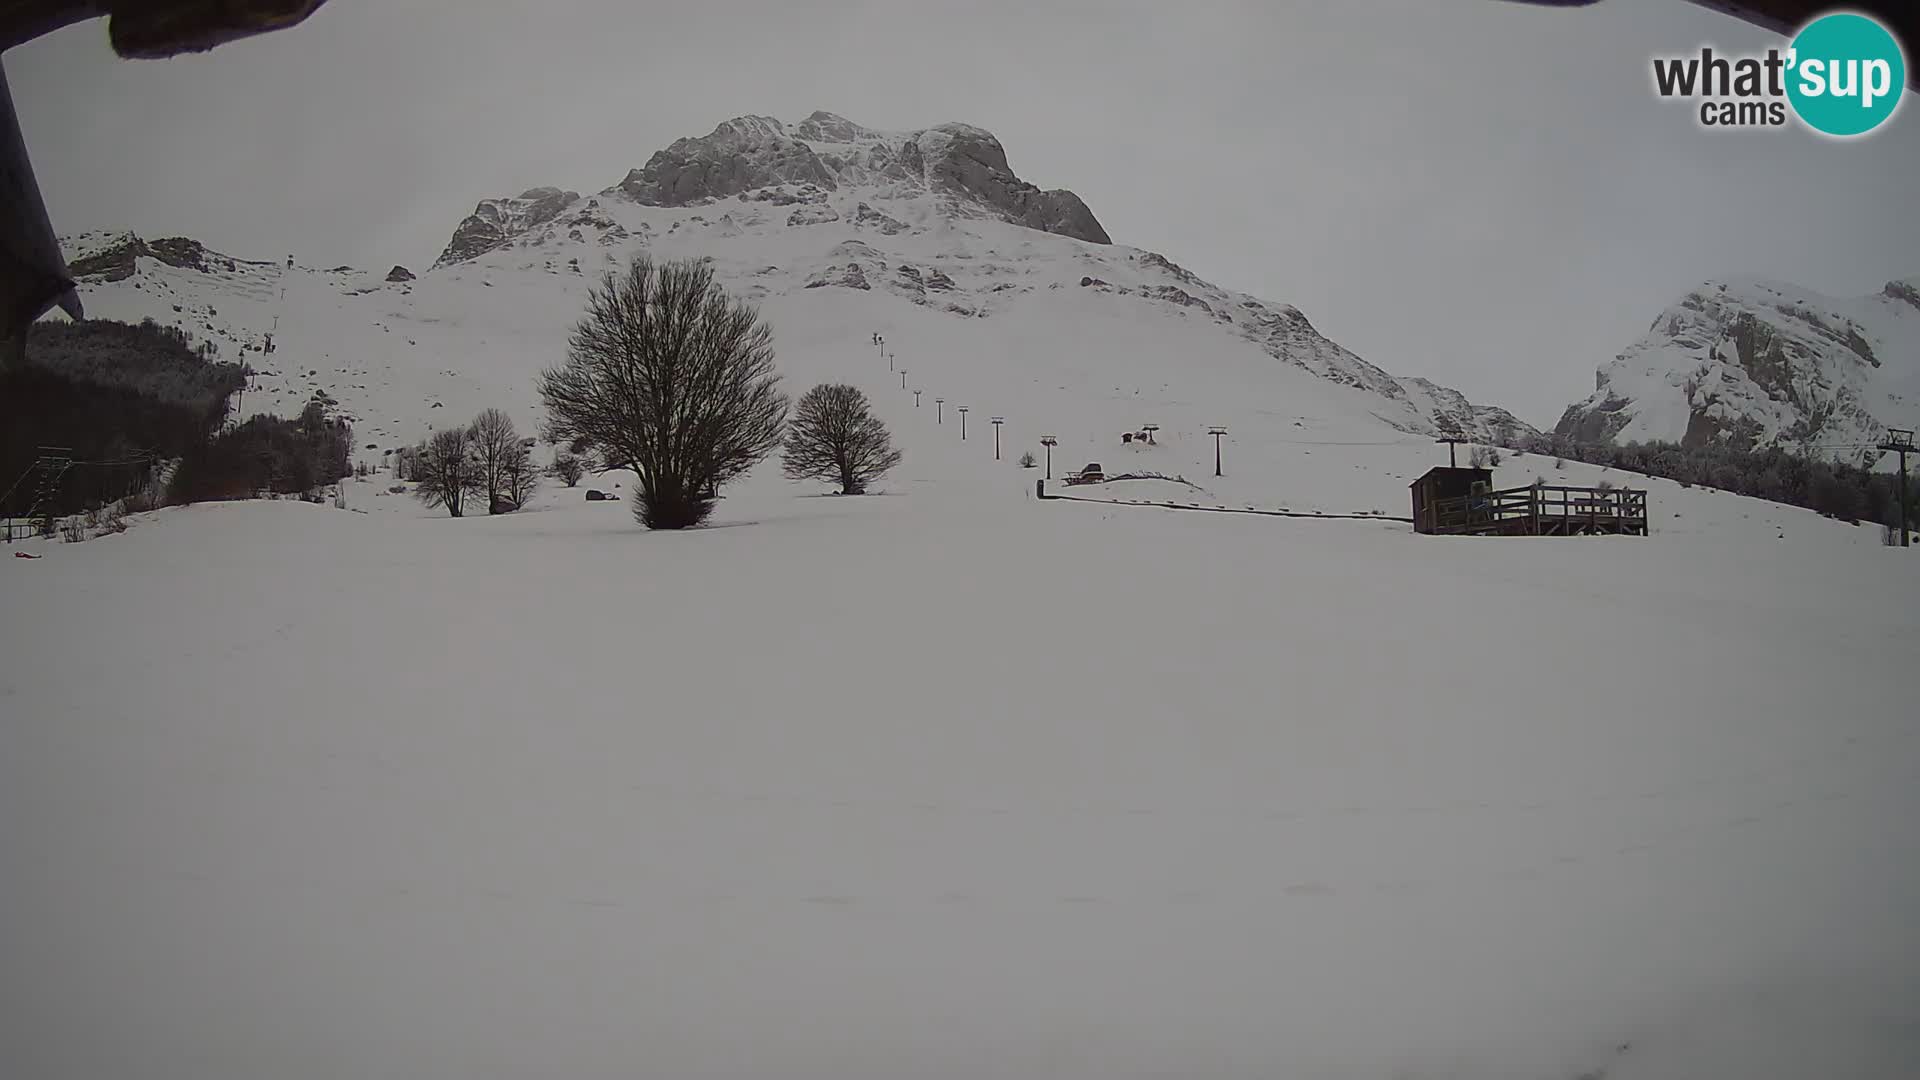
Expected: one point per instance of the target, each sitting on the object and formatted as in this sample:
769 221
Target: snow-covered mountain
1760 363
1023 282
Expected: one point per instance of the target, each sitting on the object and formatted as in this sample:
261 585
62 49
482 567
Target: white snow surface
950 782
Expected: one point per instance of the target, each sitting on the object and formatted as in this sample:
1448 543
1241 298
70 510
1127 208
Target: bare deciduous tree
443 470
494 447
668 376
519 476
834 436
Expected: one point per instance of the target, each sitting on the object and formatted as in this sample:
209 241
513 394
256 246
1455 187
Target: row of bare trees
485 460
670 377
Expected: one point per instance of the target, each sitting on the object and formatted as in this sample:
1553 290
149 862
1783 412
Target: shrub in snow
73 529
835 437
1028 461
269 454
711 407
566 468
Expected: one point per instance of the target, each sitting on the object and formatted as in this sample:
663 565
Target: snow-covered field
949 782
945 781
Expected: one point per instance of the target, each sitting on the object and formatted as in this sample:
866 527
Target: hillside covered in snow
1758 363
929 229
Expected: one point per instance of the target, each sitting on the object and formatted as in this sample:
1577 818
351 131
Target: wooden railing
1543 509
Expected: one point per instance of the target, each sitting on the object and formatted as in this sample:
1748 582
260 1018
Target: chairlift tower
1900 441
46 472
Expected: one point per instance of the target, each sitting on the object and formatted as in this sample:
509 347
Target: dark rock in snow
849 276
399 273
866 217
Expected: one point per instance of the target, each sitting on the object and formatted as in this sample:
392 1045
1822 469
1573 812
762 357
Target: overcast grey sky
1486 194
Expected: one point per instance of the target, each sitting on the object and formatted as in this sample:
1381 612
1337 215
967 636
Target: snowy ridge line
1227 509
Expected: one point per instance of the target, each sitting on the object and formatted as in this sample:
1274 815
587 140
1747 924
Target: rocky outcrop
180 252
829 127
758 157
740 155
495 221
849 276
1174 295
866 217
965 160
119 259
812 215
399 274
1751 363
115 262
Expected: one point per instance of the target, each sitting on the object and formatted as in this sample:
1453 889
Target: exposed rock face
829 127
1175 295
494 221
866 217
119 260
751 153
399 273
740 155
849 276
969 161
812 215
178 251
1753 364
116 262
760 159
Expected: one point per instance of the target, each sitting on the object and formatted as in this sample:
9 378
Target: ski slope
952 782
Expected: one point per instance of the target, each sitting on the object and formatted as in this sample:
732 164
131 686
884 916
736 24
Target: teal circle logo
1846 74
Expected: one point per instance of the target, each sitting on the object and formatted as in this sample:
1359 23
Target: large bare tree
495 447
834 436
444 472
670 377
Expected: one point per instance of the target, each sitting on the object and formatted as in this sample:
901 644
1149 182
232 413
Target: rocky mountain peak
962 161
1756 363
824 126
742 154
